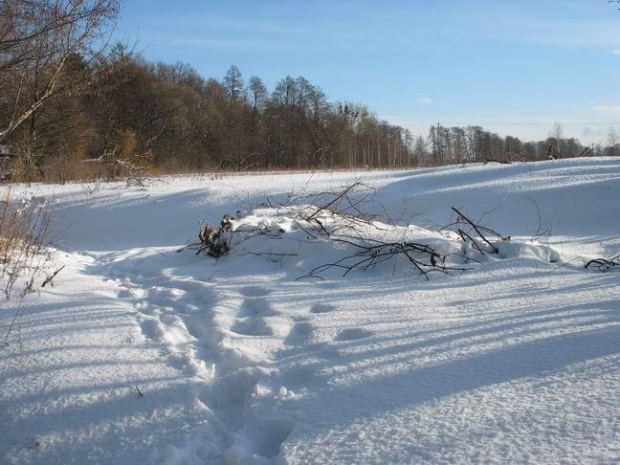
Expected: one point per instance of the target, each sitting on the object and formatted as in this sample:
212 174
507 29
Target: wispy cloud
425 100
616 51
610 109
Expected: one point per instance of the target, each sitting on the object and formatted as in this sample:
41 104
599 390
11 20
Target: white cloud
425 100
613 109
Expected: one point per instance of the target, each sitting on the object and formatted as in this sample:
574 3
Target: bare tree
233 82
258 93
420 151
37 38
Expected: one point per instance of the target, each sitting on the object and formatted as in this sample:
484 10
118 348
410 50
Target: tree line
70 110
179 121
475 144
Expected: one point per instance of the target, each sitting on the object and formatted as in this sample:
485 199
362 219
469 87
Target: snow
140 353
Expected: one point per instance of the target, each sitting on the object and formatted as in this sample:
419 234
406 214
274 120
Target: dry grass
23 227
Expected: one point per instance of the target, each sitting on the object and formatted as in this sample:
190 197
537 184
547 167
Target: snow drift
139 353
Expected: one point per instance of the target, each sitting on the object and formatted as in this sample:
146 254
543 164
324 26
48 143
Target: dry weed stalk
23 228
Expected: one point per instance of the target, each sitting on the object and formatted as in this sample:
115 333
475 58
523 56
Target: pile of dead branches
340 217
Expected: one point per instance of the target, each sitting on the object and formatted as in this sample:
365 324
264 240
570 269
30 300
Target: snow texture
139 353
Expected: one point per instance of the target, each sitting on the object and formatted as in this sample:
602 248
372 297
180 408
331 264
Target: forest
71 108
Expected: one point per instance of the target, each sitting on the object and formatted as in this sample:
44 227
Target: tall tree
233 82
258 93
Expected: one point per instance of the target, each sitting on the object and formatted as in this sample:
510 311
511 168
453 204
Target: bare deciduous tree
233 82
37 38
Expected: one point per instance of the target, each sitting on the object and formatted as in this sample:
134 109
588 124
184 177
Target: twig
51 278
466 236
343 194
603 264
476 228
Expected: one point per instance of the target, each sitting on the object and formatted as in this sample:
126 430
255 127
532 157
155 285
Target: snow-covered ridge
143 354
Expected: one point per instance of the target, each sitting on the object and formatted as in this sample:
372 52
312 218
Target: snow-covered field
142 354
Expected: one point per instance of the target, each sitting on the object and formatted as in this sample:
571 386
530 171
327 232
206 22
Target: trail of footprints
201 328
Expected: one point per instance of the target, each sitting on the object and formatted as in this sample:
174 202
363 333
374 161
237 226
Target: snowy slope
143 354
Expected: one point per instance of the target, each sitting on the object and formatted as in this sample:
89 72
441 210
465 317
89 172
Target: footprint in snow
322 308
253 306
125 294
271 434
299 334
152 329
165 297
353 334
263 439
189 286
254 291
253 326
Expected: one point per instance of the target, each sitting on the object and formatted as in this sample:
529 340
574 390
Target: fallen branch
474 242
422 257
603 265
343 195
461 218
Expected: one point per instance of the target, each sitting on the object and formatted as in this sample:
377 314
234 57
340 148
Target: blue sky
514 67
